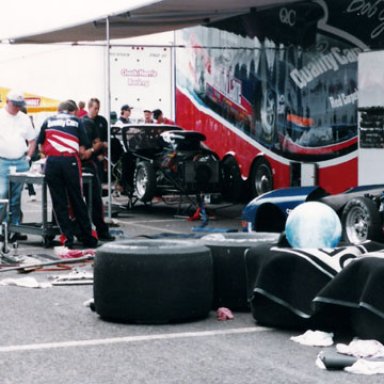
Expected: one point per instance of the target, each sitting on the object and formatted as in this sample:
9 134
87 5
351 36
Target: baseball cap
157 113
16 97
126 107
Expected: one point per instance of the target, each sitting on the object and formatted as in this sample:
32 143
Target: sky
59 71
23 17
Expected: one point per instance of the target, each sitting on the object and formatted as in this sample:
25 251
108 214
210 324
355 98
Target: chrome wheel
145 181
141 182
361 220
356 225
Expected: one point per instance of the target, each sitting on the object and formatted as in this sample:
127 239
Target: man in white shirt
17 144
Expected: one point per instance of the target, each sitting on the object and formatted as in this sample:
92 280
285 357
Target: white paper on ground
26 282
314 338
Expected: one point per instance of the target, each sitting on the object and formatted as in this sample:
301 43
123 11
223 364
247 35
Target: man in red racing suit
63 141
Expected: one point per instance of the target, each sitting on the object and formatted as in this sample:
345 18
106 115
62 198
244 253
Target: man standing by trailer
63 140
102 127
148 117
89 164
17 145
125 116
160 119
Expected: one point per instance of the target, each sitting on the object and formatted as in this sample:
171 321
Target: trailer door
142 77
371 118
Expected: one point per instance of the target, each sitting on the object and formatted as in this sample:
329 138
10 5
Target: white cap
16 97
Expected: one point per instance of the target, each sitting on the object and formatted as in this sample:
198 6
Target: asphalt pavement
49 335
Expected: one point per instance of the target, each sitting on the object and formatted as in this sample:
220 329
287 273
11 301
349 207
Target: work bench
48 227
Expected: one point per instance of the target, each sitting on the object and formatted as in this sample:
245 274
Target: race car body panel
269 212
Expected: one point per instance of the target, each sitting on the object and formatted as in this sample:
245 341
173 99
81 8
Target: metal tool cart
48 227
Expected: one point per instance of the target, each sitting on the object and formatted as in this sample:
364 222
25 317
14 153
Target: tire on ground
153 281
361 220
230 287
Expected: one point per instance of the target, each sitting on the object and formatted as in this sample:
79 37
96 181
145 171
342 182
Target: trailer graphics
276 90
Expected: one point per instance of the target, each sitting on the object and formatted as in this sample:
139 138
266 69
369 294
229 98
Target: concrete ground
48 335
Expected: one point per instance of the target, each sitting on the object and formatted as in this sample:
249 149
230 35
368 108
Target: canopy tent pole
108 111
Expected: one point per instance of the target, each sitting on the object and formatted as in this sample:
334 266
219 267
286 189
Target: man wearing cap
63 140
17 145
125 114
148 117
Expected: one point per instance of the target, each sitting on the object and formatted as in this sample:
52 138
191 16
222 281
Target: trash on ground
74 277
223 313
366 367
362 348
332 360
66 253
58 263
314 338
26 282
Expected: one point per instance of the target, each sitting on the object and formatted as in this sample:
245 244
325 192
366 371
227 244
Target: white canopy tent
156 16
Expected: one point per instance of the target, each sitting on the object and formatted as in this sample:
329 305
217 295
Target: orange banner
34 103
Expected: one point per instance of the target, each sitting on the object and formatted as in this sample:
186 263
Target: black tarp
338 289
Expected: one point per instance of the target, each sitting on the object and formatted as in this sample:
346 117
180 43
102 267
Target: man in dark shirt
89 165
63 141
102 129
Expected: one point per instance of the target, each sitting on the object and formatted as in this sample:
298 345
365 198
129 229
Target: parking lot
49 335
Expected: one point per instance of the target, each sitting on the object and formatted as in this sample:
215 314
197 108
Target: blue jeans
12 191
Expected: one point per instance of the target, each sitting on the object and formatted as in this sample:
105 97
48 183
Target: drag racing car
159 160
359 210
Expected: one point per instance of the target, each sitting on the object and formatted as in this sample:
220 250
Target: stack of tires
153 281
229 272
